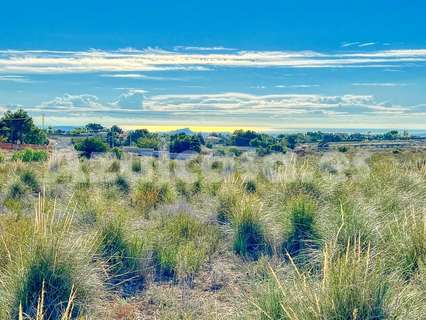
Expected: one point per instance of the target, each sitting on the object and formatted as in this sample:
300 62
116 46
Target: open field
324 236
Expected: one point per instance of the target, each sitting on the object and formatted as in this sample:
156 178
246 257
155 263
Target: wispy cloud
349 44
379 84
279 104
297 86
139 76
189 48
80 103
126 62
366 44
13 78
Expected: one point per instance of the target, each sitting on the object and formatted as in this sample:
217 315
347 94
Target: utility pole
42 121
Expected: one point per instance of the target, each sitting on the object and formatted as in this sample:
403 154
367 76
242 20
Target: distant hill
64 128
183 130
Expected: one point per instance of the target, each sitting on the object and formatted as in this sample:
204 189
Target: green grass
250 239
303 236
123 252
274 237
181 245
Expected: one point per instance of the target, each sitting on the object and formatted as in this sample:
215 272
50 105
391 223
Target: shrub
30 155
219 152
149 194
250 240
302 188
117 153
122 253
249 186
183 244
114 167
136 165
52 273
350 219
182 142
343 149
122 183
198 185
407 245
172 166
1 157
353 286
217 165
228 200
29 179
234 152
182 188
88 146
16 190
303 235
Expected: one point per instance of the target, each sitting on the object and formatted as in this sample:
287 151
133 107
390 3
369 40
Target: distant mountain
186 131
64 128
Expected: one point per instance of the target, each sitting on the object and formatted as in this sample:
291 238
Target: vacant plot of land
331 236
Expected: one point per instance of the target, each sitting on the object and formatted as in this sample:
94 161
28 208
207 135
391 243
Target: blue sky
270 65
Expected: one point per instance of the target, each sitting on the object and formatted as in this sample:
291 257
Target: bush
149 194
16 190
303 236
114 167
407 246
198 185
182 142
88 146
182 188
217 165
117 152
249 186
52 273
302 188
228 200
122 184
182 245
234 152
343 149
352 286
136 165
123 255
1 157
172 166
29 179
30 155
250 240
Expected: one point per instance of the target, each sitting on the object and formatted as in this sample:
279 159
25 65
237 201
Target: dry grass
334 236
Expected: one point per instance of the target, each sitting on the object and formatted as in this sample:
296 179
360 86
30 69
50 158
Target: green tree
113 136
182 142
88 146
94 127
151 141
19 127
134 135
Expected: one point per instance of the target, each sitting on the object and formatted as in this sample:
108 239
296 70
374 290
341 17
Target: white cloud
150 59
379 84
68 102
297 86
279 104
131 100
189 48
138 76
13 78
366 44
125 75
350 44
